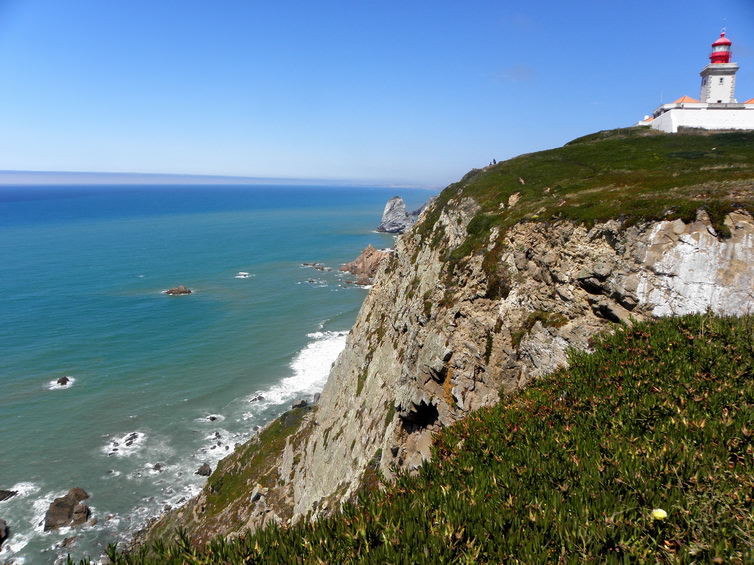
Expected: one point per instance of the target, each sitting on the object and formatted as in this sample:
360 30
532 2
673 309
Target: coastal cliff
504 273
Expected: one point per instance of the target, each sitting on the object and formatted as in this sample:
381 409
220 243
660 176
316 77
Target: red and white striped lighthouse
720 50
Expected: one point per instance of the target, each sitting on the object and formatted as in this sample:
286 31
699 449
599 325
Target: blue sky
408 92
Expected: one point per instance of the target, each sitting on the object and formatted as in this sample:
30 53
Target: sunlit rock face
395 218
690 269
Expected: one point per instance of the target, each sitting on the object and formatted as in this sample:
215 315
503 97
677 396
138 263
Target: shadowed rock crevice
419 417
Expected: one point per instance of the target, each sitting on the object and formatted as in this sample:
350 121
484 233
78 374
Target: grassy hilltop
633 173
642 451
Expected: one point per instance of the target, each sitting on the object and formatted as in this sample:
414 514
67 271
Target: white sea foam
24 526
310 368
55 384
24 489
125 445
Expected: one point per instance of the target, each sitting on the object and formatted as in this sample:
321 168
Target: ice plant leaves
642 451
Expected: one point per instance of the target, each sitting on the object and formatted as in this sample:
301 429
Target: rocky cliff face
428 348
506 271
436 339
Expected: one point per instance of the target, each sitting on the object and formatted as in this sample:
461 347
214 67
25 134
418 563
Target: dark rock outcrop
205 470
6 494
67 510
62 381
180 289
300 404
4 532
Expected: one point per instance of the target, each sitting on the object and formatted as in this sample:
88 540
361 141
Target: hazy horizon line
62 178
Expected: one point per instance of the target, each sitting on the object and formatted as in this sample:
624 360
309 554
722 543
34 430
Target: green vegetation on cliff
634 173
642 451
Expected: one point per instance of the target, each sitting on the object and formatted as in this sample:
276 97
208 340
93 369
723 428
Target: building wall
718 88
718 83
671 120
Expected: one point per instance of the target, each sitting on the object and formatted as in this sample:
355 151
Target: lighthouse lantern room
719 76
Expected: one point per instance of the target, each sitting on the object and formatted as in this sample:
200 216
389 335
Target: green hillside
634 174
574 469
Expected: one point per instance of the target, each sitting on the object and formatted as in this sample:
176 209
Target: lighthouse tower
716 108
719 77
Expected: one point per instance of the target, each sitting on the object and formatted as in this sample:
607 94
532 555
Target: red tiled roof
685 99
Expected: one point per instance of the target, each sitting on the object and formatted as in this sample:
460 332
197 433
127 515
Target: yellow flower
659 514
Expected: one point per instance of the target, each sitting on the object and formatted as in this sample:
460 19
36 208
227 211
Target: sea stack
395 218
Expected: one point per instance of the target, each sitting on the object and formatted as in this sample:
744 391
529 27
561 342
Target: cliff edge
501 275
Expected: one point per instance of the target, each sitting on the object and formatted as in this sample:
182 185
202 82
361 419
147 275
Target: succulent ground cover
640 451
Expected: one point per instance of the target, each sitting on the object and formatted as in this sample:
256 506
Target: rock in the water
180 289
395 218
205 470
6 494
62 381
365 265
4 532
67 510
81 513
300 404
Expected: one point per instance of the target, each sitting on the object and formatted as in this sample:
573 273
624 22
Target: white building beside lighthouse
717 108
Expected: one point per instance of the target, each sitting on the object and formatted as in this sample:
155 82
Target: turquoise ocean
158 384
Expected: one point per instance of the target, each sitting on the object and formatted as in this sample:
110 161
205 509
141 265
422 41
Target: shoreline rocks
365 265
67 510
6 494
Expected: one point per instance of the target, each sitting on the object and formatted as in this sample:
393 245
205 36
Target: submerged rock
67 510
